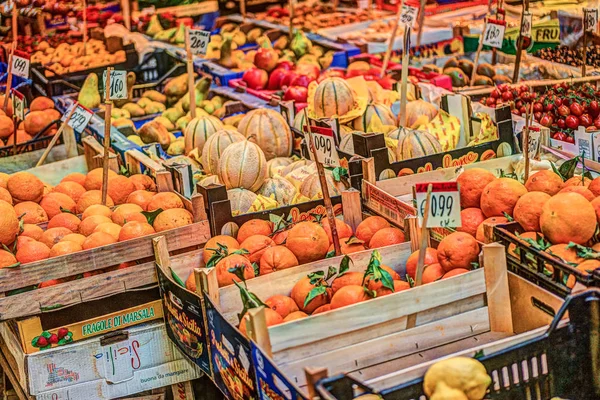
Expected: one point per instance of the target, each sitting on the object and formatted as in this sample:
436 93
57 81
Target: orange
454 272
348 295
480 235
386 237
376 285
213 242
512 249
76 177
595 186
24 186
93 179
9 224
596 204
54 235
295 315
4 179
577 181
143 182
271 317
119 188
471 184
458 250
65 220
135 229
281 237
96 209
165 201
301 290
566 254
53 282
32 252
88 225
582 190
471 218
256 245
529 207
31 213
91 198
224 277
308 241
343 229
544 181
347 246
172 218
190 283
431 257
322 309
587 267
283 305
568 217
5 195
73 237
398 287
7 259
128 212
369 226
62 248
500 196
276 258
432 273
254 227
98 239
33 231
109 227
21 240
349 278
141 198
72 189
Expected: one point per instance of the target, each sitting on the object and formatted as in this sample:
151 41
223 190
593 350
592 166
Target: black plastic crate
562 363
38 142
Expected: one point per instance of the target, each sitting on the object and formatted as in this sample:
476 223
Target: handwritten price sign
527 23
118 84
444 206
18 101
20 66
408 16
324 146
199 41
590 19
80 118
494 33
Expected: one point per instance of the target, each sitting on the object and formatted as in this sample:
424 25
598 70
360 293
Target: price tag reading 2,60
324 146
408 15
444 206
20 66
118 84
80 118
199 41
494 33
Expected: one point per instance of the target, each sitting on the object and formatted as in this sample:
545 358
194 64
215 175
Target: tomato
549 106
576 109
504 87
522 110
559 136
546 120
594 108
558 102
597 122
561 123
519 104
538 107
563 111
495 94
586 120
491 102
506 96
570 139
537 116
572 122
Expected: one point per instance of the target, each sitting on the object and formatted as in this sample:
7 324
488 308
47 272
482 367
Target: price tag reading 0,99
118 84
20 66
494 33
444 205
199 41
324 146
80 118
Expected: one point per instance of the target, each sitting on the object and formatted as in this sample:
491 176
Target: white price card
409 15
199 41
324 142
444 206
20 66
494 33
533 142
590 19
80 118
527 23
118 84
18 101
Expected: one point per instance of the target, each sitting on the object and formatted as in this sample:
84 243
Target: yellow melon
381 110
198 130
333 96
417 144
215 146
241 200
280 189
311 187
276 165
243 165
269 130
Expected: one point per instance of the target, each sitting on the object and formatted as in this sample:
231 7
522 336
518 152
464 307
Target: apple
288 78
275 79
296 93
302 80
285 64
356 72
256 78
331 73
266 59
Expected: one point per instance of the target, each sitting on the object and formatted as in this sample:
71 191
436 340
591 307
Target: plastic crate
561 363
40 141
20 84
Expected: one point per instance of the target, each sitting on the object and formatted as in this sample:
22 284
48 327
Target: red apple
285 64
302 80
296 93
308 69
256 78
288 78
266 59
275 79
356 72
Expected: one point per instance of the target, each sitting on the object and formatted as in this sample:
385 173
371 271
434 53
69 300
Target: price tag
527 23
590 19
80 118
324 142
199 41
20 66
18 101
118 84
534 142
409 15
494 33
444 207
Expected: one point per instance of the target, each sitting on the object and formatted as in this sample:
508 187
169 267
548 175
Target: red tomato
559 136
576 109
572 122
546 120
570 139
491 102
586 120
561 123
538 107
563 111
506 96
495 94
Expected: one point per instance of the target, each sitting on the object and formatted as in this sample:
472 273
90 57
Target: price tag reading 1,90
118 84
324 146
590 19
20 66
80 118
199 41
444 206
494 33
409 15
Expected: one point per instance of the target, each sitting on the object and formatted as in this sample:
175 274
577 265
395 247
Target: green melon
269 130
215 146
417 144
198 130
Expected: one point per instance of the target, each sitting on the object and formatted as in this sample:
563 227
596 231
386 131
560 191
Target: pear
134 110
166 35
166 123
154 26
144 102
182 122
89 96
135 139
176 87
179 37
155 95
172 114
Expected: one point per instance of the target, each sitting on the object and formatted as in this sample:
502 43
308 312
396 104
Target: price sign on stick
494 33
590 19
80 118
324 142
20 66
118 84
527 23
444 209
199 41
409 15
18 101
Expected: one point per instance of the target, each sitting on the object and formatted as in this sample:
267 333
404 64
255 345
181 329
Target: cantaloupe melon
210 180
198 130
282 190
276 165
311 187
269 130
417 144
333 96
299 121
297 176
215 146
294 166
347 143
243 165
397 134
241 200
381 110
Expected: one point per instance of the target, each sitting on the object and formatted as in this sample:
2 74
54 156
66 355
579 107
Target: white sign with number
199 41
20 66
590 19
527 23
80 118
409 15
493 34
324 143
444 205
18 101
533 142
118 84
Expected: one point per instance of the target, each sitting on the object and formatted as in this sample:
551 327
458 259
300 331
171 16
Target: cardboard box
115 365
